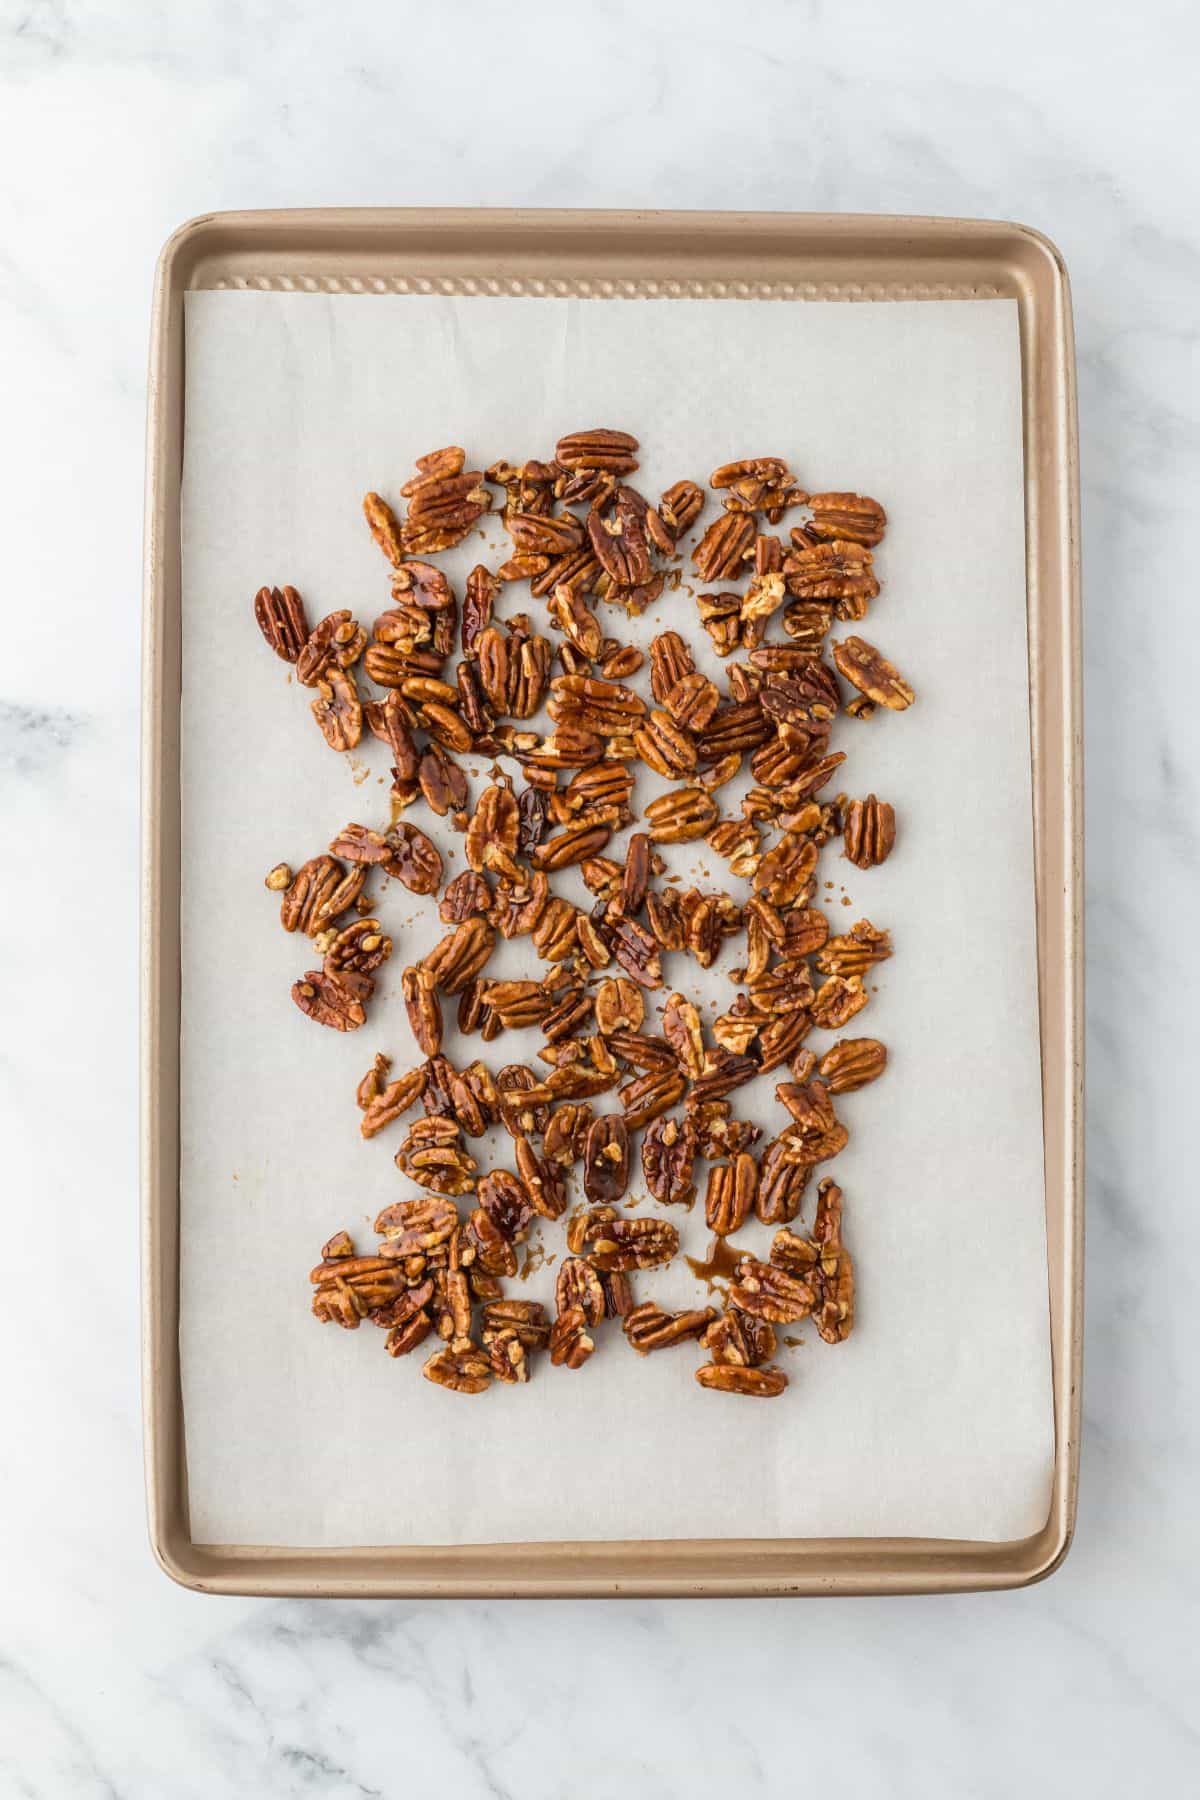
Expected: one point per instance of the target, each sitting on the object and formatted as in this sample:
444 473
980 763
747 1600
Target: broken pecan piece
570 1344
461 1366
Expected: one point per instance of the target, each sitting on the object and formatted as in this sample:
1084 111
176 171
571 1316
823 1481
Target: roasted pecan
619 541
407 1319
282 621
518 906
743 726
599 448
854 518
357 949
606 1159
569 1341
336 640
680 507
600 793
507 1204
681 1028
531 673
329 999
634 949
807 623
384 526
872 674
542 1180
415 1227
391 1100
852 1063
351 1288
466 897
320 892
461 1366
567 1132
543 534
737 1340
725 548
796 701
670 662
649 1327
738 842
443 783
460 955
840 572
855 952
678 817
490 1251
493 834
424 1010
837 1000
780 1041
784 875
868 831
817 1131
474 1099
606 708
767 1292
520 1114
338 710
554 935
730 1194
568 1014
624 1244
526 1319
729 1378
650 1094
518 1003
619 1006
668 1161
725 1072
573 845
578 1286
576 620
433 1156
717 1132
721 617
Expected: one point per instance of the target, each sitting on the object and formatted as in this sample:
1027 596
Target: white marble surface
116 122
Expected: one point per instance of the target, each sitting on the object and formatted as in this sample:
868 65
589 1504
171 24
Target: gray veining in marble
117 122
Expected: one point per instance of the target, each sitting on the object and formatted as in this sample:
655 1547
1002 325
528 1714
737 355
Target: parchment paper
935 1417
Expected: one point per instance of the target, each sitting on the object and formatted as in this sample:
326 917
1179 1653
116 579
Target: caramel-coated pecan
332 1000
606 1159
680 816
839 572
728 1378
570 1345
460 955
817 1131
740 1341
767 1292
599 448
868 831
837 1000
424 1010
338 710
867 669
851 954
854 518
730 1194
392 1100
852 1063
668 1161
415 1227
282 621
352 1288
461 1366
649 1327
624 1244
725 548
578 1286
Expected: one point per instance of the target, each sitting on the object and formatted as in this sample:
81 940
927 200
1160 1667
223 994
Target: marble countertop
116 123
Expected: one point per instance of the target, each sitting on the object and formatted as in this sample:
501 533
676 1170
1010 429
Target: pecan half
854 518
606 1159
839 572
467 896
868 832
392 1099
859 949
867 669
320 892
728 1378
281 619
338 710
461 1366
738 1340
837 1000
357 949
460 955
578 1286
624 1244
424 1010
570 1345
650 1094
352 1288
767 1292
328 999
730 1194
852 1063
679 817
725 547
574 845
335 640
525 1318
649 1327
619 1006
507 1204
668 1161
599 448
384 527
413 1227
817 1130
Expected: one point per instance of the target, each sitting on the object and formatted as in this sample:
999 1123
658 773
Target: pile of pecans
581 534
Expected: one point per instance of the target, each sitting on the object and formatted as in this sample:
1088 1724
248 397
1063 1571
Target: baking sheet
935 1418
